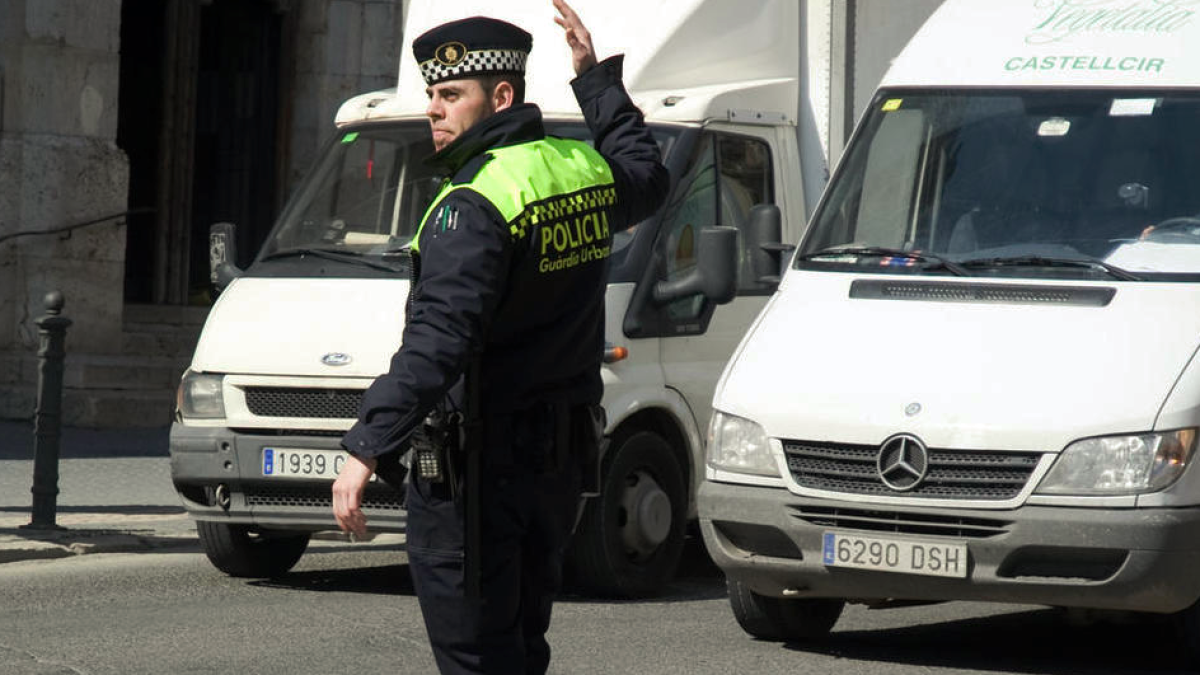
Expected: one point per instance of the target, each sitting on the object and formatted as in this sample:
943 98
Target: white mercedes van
978 378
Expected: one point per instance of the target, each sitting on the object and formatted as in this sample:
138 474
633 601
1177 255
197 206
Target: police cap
468 47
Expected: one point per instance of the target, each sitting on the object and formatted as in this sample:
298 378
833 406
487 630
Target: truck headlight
737 444
1120 464
200 395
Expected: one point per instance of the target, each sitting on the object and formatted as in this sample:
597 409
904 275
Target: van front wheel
1187 626
239 551
630 538
767 618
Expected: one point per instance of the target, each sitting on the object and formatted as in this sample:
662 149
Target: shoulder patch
471 169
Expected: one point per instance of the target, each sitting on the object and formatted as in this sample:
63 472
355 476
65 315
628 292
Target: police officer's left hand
348 492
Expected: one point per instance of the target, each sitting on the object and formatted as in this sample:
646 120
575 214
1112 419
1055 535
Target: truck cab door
728 174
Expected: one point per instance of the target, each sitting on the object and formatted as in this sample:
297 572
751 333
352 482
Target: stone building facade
127 127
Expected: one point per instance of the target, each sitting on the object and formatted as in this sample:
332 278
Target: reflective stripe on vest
538 181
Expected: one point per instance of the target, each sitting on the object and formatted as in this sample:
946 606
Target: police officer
509 278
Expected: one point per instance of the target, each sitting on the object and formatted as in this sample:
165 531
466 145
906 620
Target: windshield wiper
347 257
1045 261
884 252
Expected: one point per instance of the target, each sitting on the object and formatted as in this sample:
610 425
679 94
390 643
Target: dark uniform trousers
529 501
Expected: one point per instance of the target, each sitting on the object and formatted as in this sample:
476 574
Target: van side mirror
766 247
715 274
222 254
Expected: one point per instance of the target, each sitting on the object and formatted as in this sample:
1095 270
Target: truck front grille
953 474
320 497
302 402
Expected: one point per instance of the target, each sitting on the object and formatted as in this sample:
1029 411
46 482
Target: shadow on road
381 580
1033 641
698 578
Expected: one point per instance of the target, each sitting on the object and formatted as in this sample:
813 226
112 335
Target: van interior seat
1006 189
1128 188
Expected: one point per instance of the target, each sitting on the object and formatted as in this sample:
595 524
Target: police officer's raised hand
578 38
348 492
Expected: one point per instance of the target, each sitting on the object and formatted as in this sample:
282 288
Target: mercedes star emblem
903 462
336 359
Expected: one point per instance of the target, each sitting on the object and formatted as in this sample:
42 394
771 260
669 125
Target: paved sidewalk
92 532
115 495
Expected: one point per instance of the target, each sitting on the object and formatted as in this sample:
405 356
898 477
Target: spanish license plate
894 555
301 463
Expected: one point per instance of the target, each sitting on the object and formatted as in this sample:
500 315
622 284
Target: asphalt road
350 609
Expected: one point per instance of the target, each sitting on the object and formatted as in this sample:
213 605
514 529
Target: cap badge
450 53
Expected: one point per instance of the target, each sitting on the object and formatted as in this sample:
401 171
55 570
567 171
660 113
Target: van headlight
739 445
1120 464
200 395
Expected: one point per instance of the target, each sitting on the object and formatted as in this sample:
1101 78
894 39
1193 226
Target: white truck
978 379
294 339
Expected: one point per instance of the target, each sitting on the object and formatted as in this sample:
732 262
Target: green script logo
1070 62
1064 19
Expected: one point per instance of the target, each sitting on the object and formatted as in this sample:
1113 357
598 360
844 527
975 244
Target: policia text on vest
573 227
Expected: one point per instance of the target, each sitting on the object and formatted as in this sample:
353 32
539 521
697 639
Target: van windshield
1033 183
369 191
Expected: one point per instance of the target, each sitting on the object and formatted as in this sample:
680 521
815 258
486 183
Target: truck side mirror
222 254
766 247
715 274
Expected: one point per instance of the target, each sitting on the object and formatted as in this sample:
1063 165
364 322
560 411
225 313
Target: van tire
780 619
616 554
239 551
1187 627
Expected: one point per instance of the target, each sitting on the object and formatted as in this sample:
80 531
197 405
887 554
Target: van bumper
1120 559
207 461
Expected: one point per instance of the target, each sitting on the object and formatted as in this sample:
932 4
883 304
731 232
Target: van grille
953 474
301 402
320 497
901 522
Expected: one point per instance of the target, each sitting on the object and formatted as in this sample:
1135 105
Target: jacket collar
518 124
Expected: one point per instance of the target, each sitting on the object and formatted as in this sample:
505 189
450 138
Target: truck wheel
768 618
239 552
630 538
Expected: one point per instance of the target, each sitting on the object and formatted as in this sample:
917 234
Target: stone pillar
342 48
59 165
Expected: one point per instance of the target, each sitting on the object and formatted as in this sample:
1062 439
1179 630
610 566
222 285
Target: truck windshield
369 191
1035 183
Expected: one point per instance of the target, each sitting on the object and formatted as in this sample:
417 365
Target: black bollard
47 429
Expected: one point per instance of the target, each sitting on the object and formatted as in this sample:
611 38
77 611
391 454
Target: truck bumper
218 475
1121 559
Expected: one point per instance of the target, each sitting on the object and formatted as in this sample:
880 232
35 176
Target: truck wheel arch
672 420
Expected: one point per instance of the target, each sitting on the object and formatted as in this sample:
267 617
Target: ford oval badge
336 359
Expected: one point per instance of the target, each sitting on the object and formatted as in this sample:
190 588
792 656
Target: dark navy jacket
477 286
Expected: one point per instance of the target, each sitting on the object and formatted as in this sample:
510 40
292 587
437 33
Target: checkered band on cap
477 61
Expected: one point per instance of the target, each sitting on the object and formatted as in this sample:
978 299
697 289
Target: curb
18 544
